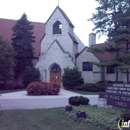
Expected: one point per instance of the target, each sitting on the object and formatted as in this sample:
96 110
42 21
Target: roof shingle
39 30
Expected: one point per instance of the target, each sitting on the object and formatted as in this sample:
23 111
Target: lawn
9 91
40 119
85 92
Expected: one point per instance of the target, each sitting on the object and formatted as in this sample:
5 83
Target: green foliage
21 40
90 87
125 115
6 60
41 88
102 118
78 100
71 78
31 74
112 18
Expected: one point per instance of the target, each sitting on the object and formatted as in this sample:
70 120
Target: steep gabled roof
63 13
39 30
81 52
107 56
73 38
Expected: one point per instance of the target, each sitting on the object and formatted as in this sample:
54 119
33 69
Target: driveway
20 100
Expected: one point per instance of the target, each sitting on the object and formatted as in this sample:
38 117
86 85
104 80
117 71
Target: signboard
122 89
118 100
117 95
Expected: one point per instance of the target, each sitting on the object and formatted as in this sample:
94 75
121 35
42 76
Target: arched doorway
55 74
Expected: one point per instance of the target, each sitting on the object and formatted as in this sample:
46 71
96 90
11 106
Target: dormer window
57 26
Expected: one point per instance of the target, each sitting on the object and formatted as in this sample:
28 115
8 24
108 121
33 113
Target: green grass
105 118
9 91
40 119
85 92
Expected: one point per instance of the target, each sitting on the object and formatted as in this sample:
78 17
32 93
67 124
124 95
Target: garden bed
104 118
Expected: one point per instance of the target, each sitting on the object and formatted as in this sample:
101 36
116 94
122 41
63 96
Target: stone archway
55 74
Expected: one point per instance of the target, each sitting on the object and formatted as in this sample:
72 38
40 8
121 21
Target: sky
78 11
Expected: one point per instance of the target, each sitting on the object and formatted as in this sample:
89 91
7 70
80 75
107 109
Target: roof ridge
63 13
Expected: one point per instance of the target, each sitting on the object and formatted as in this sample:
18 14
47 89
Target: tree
21 40
31 74
112 18
71 78
6 60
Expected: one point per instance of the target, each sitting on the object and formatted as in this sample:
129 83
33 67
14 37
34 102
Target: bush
86 87
90 87
71 78
101 85
41 88
31 74
126 115
78 100
18 86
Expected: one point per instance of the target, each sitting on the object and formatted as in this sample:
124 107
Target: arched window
57 26
55 69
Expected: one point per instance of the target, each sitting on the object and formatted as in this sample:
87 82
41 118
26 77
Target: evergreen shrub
31 74
78 100
71 78
42 88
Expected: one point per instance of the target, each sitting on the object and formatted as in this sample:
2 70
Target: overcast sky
78 12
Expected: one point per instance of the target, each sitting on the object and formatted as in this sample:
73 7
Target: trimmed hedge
42 88
78 100
90 87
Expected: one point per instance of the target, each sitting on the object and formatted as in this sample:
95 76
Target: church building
57 47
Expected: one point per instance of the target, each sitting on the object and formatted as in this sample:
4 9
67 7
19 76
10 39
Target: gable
64 15
56 44
84 55
39 30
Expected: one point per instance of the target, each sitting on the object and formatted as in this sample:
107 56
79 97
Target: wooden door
55 75
55 78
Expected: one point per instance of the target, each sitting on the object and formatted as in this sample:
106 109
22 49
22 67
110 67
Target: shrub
71 78
126 115
86 87
90 87
78 100
31 74
41 88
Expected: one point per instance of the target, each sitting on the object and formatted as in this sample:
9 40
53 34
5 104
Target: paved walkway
20 100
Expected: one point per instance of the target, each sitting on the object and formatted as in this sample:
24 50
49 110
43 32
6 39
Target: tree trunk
127 71
117 55
102 73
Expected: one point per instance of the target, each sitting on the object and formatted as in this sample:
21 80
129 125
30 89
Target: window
87 66
55 68
110 69
57 26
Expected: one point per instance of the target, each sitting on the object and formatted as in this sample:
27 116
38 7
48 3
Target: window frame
56 27
87 67
110 69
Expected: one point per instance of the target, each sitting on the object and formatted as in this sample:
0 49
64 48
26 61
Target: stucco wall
53 55
64 39
89 76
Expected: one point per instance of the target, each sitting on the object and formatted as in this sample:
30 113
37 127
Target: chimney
92 39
